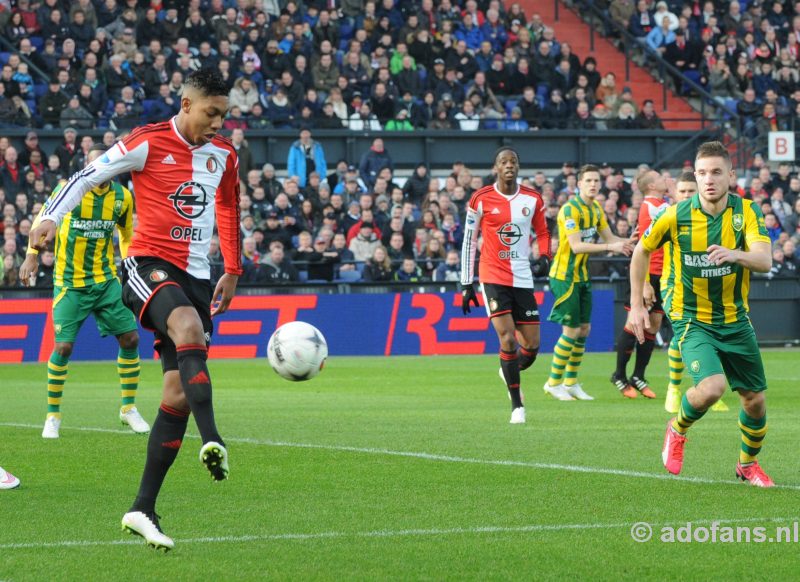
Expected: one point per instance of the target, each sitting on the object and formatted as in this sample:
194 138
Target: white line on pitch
443 458
391 533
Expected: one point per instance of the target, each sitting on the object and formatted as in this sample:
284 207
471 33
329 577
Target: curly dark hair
209 82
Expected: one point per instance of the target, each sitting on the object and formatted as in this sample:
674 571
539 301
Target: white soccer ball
297 351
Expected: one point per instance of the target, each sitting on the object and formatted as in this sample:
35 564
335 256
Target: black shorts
519 303
152 288
658 306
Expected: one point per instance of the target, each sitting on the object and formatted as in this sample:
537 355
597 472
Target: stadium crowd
744 52
394 66
355 221
362 65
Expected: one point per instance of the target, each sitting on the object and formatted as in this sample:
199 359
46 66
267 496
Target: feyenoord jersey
701 290
179 190
505 223
650 209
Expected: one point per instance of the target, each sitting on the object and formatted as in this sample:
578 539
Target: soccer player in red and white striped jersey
184 176
653 187
506 214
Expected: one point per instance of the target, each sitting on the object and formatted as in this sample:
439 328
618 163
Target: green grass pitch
392 468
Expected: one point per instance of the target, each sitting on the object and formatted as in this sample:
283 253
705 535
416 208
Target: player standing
505 212
653 187
85 283
685 188
183 174
580 221
717 239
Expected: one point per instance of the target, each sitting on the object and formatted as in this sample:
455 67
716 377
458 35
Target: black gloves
468 295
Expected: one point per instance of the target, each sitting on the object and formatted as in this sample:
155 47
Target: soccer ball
297 351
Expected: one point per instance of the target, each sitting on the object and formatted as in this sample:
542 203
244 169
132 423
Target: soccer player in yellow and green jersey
716 239
685 188
580 222
85 282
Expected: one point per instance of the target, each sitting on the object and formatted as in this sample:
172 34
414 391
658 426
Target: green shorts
72 305
573 305
730 349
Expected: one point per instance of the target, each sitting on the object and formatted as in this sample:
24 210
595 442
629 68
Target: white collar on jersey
180 135
505 195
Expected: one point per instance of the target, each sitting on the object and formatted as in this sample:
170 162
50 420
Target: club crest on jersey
211 164
492 305
190 199
509 234
526 211
738 222
117 206
156 276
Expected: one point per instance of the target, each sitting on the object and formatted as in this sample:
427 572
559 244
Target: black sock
643 353
197 388
626 342
527 357
510 366
165 441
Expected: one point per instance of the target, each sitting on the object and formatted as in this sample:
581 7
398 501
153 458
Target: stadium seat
349 276
303 275
490 124
37 42
4 58
147 106
39 89
510 104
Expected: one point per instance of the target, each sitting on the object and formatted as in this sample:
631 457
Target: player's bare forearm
223 293
28 268
757 259
638 269
640 263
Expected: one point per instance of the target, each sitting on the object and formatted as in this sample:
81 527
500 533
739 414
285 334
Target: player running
717 239
654 188
184 174
504 213
580 221
85 283
684 189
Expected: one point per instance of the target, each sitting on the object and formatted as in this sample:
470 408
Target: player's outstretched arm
621 246
639 266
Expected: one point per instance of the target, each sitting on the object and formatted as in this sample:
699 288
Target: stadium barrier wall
358 324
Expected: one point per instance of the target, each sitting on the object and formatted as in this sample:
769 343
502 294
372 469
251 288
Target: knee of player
585 329
185 327
129 341
63 349
713 385
508 340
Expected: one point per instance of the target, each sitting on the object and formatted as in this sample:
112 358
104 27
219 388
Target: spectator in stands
581 118
378 267
275 268
648 118
345 255
363 245
661 35
12 178
608 92
556 114
467 118
373 161
409 272
306 155
75 115
243 95
641 22
279 110
51 104
250 254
